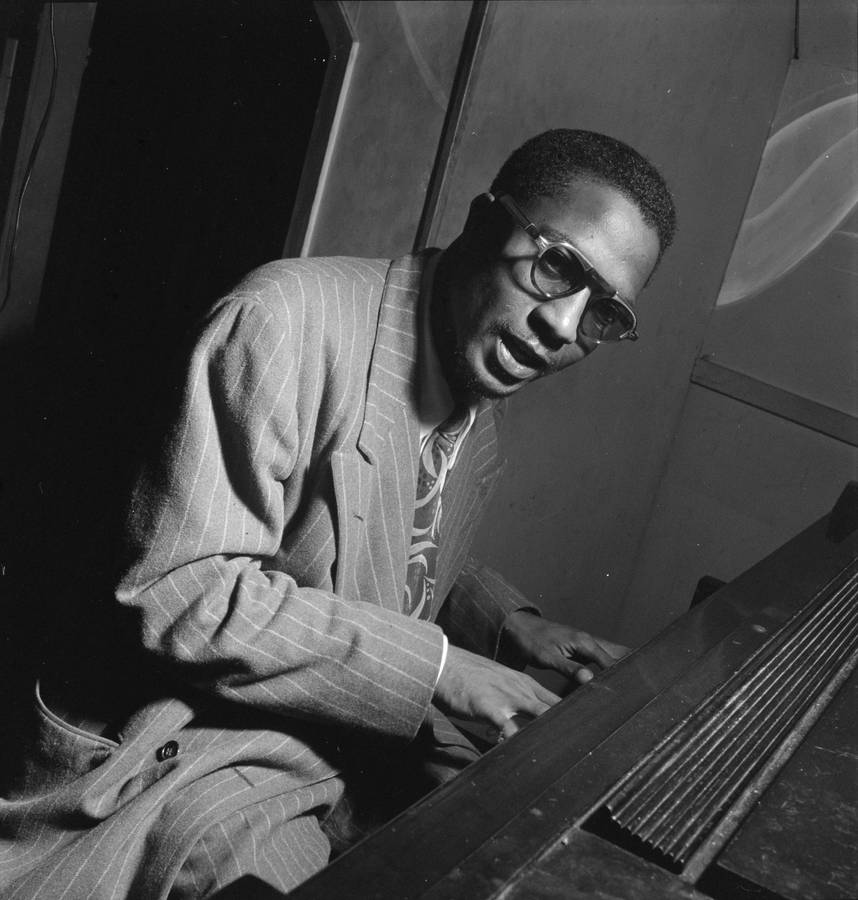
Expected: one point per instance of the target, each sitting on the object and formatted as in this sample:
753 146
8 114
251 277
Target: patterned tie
432 469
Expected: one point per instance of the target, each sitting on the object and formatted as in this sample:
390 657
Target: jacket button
168 751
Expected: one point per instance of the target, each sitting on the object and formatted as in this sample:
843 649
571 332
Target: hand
550 645
473 687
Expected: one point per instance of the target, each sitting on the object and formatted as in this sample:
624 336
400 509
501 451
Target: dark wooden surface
589 867
815 802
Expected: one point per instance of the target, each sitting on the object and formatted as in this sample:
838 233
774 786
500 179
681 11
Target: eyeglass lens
605 320
559 271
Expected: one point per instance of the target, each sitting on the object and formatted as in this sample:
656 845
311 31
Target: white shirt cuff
443 660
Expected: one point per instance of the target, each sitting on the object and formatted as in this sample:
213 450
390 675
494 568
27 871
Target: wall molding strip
344 44
450 133
808 413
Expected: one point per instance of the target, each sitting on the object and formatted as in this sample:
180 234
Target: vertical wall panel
72 23
391 125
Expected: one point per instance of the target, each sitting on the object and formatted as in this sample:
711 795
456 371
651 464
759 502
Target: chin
483 385
467 384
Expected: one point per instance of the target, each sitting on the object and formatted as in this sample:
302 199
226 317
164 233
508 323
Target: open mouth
516 359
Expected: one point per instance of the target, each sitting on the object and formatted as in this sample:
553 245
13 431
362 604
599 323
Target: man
301 612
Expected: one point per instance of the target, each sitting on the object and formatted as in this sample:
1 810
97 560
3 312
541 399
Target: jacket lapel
468 488
375 485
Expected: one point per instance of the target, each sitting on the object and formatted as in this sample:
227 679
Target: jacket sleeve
208 509
476 609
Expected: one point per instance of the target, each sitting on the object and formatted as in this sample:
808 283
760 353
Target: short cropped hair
545 165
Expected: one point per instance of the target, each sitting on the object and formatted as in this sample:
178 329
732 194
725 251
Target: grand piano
719 761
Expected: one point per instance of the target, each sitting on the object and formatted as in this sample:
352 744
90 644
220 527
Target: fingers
603 653
598 654
576 671
543 695
498 734
524 697
508 729
476 688
582 675
587 649
597 650
512 718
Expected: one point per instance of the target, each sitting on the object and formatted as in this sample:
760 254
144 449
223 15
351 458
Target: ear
479 208
479 225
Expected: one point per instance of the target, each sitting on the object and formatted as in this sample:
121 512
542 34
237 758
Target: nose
556 321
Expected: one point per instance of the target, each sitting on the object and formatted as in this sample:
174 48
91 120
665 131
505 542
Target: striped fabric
266 552
432 466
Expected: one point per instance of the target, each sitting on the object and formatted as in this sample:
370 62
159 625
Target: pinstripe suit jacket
267 549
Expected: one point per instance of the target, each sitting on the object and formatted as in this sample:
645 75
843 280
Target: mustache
530 352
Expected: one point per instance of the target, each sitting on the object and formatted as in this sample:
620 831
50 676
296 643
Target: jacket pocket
49 753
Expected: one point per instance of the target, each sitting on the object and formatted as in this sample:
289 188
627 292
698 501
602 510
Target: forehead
606 227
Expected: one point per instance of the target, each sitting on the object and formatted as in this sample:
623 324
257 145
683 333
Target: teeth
511 364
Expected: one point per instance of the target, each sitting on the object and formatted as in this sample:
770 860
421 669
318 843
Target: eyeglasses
559 269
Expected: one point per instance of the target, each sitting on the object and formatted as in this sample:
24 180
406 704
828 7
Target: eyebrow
553 234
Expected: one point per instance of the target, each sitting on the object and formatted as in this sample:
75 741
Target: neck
451 277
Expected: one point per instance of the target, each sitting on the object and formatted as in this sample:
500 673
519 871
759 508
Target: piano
717 761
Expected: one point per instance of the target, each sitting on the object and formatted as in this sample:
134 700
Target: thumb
576 671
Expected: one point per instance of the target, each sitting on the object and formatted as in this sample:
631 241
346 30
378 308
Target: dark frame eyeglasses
559 270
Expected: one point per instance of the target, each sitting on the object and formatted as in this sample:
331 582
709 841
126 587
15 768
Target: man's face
495 332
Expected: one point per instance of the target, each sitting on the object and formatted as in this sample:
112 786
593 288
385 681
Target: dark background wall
183 140
627 482
740 480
